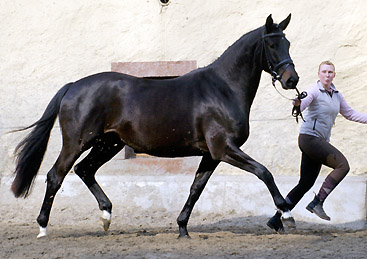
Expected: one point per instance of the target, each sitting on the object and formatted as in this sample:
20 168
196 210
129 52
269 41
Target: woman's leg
339 163
315 152
308 174
310 169
331 157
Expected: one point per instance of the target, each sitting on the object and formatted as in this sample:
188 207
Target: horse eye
272 45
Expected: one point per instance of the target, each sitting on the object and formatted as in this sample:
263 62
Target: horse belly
157 121
163 142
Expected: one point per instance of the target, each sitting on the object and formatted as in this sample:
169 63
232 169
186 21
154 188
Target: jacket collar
322 89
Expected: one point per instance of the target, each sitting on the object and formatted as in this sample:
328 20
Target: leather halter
273 68
296 111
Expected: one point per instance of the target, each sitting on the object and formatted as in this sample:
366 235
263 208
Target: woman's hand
296 102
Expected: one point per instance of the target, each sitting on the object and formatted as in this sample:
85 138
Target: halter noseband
274 68
296 111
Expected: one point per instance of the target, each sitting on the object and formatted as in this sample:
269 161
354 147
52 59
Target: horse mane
237 49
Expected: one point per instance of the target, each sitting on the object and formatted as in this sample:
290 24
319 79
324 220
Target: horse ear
269 24
285 23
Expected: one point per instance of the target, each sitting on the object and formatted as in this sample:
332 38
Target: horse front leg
236 157
205 170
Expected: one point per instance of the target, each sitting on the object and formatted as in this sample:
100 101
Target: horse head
277 59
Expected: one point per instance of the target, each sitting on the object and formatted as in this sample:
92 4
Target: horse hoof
42 232
105 223
288 220
105 220
184 237
276 223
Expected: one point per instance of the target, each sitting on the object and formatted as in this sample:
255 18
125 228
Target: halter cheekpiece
296 111
274 67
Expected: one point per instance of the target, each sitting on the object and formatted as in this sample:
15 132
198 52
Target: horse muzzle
289 78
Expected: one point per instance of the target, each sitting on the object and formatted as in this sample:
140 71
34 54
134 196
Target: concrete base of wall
232 195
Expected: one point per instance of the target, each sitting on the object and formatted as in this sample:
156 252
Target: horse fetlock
105 205
281 204
182 222
42 221
183 232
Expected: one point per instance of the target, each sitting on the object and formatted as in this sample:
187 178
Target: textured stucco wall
46 44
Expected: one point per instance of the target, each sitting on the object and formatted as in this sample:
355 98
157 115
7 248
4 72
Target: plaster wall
46 44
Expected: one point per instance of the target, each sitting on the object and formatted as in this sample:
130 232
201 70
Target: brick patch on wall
154 68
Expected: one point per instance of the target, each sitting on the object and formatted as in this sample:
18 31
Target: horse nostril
292 82
296 80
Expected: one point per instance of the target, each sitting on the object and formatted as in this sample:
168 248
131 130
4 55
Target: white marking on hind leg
42 232
106 220
288 219
287 215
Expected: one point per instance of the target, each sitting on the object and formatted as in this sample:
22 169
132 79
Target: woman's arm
312 93
349 113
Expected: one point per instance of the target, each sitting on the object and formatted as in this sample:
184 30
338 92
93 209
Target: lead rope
296 110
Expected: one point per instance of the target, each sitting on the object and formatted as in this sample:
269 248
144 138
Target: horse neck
241 65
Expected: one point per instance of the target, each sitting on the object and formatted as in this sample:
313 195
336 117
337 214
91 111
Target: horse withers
203 113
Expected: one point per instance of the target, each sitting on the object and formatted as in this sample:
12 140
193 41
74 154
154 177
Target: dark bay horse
203 113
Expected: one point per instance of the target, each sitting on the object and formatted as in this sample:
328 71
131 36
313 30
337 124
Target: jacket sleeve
312 93
351 114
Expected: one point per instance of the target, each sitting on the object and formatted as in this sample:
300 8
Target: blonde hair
327 62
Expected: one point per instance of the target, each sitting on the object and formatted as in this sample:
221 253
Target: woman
323 103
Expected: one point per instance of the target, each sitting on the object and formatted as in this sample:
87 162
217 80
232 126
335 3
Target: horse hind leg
205 170
104 148
55 177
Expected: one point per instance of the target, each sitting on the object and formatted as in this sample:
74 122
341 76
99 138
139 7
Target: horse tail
30 151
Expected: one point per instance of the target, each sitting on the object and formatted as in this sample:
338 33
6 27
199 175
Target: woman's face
326 75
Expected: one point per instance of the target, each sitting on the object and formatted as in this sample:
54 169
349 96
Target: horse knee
263 174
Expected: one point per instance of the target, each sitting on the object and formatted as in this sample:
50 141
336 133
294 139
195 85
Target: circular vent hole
164 2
